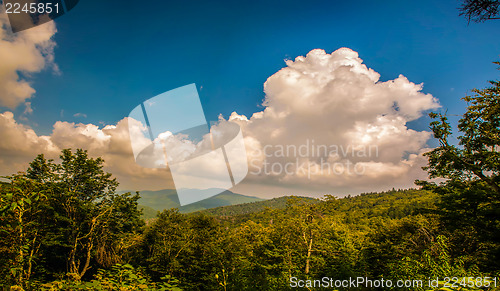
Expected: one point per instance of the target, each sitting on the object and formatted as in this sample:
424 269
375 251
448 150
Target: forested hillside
254 246
252 207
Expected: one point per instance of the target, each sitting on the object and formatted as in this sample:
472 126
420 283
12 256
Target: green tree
20 233
164 242
84 220
470 193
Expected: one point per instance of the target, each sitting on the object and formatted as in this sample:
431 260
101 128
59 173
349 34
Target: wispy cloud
82 115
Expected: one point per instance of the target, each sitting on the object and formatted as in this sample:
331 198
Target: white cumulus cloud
22 54
353 125
19 145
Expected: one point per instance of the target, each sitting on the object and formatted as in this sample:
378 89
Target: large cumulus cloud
335 101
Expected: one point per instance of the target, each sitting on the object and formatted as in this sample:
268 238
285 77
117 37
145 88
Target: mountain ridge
159 200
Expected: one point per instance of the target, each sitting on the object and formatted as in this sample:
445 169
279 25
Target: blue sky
112 57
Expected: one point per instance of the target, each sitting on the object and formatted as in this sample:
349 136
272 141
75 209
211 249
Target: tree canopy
480 10
470 192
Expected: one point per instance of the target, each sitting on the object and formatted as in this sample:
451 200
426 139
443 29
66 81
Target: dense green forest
253 246
63 226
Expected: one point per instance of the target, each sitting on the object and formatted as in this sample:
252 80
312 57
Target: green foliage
470 193
386 234
148 213
63 218
119 277
392 234
19 228
434 262
253 207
